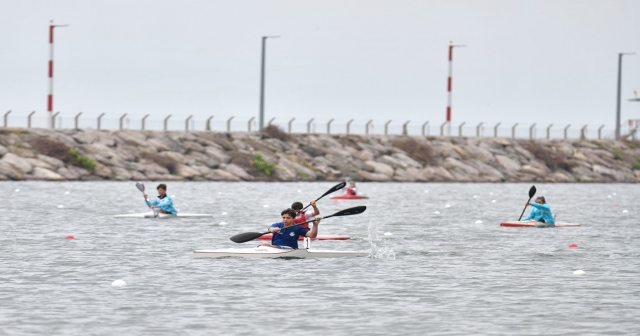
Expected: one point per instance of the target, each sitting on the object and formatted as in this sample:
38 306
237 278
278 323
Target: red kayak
319 237
533 224
347 196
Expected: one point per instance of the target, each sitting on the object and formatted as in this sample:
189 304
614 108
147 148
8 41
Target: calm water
428 273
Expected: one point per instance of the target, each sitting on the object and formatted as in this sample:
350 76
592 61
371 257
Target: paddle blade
245 237
140 186
532 191
333 189
349 212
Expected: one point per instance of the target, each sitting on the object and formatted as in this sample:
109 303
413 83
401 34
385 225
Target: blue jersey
540 211
287 236
165 203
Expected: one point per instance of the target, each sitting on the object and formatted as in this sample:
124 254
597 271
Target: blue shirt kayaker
164 202
540 212
285 234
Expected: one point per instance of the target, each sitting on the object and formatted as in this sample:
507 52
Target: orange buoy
572 245
70 237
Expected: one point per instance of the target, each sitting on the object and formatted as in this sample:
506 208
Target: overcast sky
525 61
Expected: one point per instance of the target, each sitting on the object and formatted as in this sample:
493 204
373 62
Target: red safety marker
70 237
573 245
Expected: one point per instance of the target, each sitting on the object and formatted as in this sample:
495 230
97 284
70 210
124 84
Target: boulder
19 163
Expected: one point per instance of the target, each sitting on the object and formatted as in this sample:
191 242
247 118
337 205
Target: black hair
544 201
288 211
296 206
162 185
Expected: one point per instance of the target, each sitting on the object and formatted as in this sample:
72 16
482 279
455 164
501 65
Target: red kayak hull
533 224
345 196
320 237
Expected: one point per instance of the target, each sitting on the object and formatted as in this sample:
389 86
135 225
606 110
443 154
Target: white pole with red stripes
451 46
50 95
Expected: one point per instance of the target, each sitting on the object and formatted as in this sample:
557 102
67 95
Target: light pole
618 100
451 46
264 49
50 95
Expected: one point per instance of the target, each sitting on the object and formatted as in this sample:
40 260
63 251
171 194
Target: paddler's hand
144 195
312 202
274 229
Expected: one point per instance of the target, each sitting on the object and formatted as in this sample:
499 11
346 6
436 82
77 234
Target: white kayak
162 215
272 252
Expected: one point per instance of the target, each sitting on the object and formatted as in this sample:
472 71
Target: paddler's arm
316 211
146 200
314 230
273 228
166 204
529 216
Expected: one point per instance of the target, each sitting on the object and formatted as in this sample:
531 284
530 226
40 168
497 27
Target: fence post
309 125
565 131
122 118
404 128
549 131
349 125
386 126
531 129
249 123
229 124
442 128
329 126
495 130
270 121
583 132
76 120
423 126
99 119
290 121
460 129
367 126
208 126
478 129
166 121
29 119
513 131
599 129
143 119
5 118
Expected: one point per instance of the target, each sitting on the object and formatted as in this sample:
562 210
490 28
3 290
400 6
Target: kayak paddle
247 236
332 190
532 191
140 187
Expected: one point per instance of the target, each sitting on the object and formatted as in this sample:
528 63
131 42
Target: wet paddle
247 236
532 191
140 187
333 189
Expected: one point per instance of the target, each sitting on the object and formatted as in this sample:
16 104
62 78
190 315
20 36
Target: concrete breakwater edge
273 155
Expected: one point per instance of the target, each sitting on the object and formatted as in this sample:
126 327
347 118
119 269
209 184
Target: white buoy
613 194
447 206
118 283
224 213
60 206
490 193
436 212
222 223
625 211
299 190
478 222
426 191
388 234
578 272
493 201
66 193
17 190
219 193
265 206
475 196
608 196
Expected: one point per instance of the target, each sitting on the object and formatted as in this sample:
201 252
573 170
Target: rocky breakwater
273 155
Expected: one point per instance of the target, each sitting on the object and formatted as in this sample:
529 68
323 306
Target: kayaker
351 189
304 216
285 234
163 203
540 212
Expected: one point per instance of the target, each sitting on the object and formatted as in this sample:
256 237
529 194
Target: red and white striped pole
448 119
50 96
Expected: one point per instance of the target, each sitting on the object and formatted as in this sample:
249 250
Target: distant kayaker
306 215
540 212
164 202
285 234
351 189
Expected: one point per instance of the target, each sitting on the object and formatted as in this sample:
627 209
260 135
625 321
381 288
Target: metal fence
330 126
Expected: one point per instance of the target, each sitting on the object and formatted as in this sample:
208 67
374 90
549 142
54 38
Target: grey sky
524 61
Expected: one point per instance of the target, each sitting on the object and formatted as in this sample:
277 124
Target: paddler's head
541 200
297 206
162 189
287 216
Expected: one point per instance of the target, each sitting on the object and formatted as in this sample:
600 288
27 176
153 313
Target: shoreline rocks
273 155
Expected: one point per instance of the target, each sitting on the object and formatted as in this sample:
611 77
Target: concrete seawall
273 155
